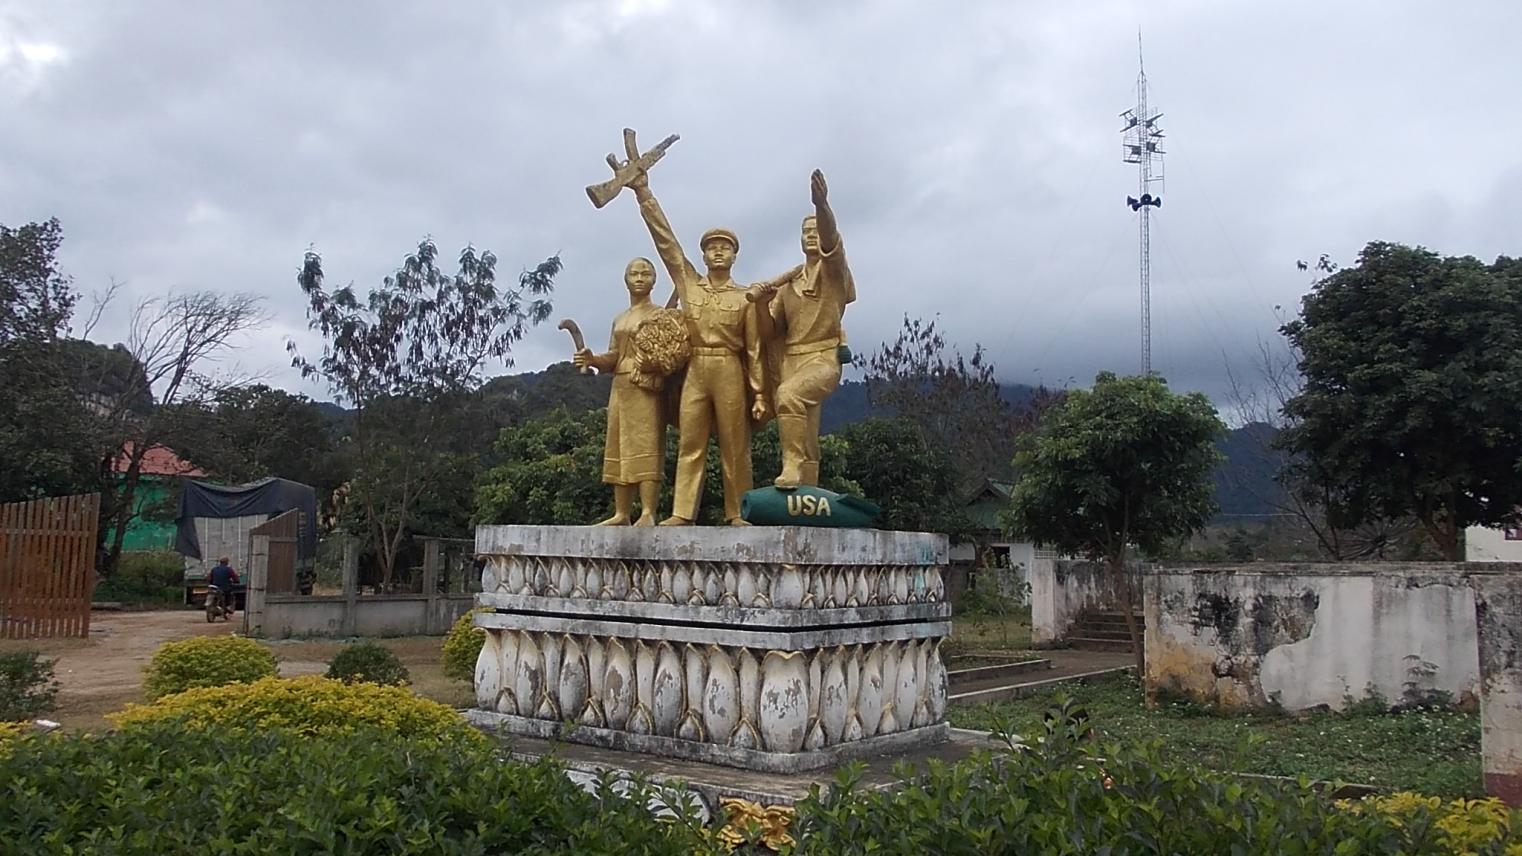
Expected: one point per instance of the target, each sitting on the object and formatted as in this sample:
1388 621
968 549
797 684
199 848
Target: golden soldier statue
634 450
805 312
723 390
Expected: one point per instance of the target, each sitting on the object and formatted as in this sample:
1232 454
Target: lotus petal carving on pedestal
489 672
618 686
574 684
694 676
834 700
666 697
869 702
721 696
508 642
787 587
783 708
529 686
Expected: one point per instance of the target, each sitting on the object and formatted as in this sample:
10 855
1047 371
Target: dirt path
101 674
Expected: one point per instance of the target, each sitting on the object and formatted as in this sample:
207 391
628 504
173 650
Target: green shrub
206 661
154 790
27 688
309 705
1067 794
461 648
145 577
368 662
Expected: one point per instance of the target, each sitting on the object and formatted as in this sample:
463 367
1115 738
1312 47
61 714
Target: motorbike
217 605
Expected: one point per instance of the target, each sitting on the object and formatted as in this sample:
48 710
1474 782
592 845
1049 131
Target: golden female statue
634 452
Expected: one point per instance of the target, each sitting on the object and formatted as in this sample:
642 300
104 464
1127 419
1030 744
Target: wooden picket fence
47 566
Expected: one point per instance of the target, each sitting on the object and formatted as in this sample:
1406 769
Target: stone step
1089 632
964 677
982 693
1089 643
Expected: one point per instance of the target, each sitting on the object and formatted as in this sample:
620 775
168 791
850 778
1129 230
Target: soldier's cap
720 233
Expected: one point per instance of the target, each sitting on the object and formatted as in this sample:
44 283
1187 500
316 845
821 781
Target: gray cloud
972 152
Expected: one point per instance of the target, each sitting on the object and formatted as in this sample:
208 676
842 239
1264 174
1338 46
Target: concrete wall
379 615
279 616
1311 635
1062 588
1499 600
1490 545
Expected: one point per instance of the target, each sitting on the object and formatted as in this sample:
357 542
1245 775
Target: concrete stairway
1103 630
1017 680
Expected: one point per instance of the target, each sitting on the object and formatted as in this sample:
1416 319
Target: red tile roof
158 461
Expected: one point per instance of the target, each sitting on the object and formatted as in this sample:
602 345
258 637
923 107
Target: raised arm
829 233
683 274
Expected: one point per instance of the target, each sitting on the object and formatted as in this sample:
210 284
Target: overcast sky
972 150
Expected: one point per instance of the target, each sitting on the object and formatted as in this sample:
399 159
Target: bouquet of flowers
661 347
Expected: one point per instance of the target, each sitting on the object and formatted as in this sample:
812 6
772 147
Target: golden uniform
807 312
723 376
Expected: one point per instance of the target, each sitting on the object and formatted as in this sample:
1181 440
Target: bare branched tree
173 348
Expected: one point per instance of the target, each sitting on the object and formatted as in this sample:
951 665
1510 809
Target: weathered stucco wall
285 616
1499 609
1305 636
1490 545
1062 588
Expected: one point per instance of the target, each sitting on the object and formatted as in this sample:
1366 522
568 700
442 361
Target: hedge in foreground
206 661
308 705
158 790
284 773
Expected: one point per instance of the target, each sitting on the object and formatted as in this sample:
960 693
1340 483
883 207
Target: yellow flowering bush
309 705
206 661
461 648
1463 826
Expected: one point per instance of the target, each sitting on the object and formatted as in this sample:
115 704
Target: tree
1412 395
1125 463
137 388
408 359
252 432
45 445
1302 489
914 483
36 300
955 401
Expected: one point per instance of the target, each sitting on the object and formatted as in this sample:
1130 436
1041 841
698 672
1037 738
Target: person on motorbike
224 578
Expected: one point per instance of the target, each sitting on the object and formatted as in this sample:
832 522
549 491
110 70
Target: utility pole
1142 145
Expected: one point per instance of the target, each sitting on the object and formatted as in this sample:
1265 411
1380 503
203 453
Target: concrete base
776 649
710 753
712 782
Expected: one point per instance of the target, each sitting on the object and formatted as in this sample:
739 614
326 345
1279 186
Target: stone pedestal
769 648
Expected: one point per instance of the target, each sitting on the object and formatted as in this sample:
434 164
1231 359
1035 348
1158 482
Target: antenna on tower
1142 145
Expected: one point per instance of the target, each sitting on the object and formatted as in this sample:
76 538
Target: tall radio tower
1142 145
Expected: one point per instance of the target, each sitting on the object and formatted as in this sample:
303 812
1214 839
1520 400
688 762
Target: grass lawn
420 654
1434 752
986 630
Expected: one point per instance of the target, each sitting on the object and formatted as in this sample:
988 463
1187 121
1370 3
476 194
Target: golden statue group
725 358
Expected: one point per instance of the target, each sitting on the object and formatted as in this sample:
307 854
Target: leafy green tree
1411 404
46 445
1127 462
916 486
550 472
408 358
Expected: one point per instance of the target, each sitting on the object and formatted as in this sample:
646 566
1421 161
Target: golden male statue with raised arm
805 313
724 387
